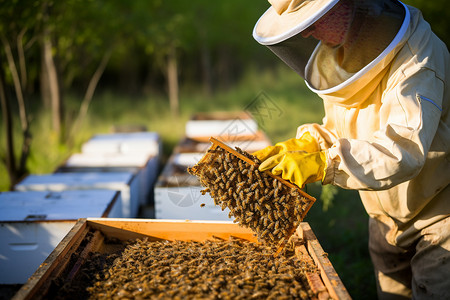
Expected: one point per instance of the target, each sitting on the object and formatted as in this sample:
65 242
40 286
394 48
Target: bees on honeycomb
255 199
213 269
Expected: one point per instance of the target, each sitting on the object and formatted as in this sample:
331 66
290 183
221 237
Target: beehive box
236 124
33 223
124 143
145 168
249 143
125 182
58 269
177 193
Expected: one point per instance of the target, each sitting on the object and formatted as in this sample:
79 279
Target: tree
17 37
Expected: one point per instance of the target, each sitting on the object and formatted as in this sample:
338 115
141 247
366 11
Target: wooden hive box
58 265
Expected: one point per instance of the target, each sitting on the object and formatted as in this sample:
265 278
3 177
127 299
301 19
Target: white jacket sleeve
408 119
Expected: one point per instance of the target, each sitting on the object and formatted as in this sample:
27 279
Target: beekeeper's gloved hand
305 143
298 167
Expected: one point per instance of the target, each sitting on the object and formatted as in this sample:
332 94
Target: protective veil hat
286 18
331 43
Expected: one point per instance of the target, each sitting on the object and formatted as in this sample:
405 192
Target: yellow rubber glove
305 143
298 167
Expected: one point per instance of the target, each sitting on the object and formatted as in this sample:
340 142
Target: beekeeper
384 78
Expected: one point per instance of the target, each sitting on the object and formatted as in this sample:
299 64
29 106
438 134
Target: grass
341 228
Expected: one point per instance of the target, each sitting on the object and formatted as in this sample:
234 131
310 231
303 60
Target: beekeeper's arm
410 113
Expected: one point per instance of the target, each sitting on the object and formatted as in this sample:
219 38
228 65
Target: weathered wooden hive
123 247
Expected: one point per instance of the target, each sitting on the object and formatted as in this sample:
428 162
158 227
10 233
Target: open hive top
269 205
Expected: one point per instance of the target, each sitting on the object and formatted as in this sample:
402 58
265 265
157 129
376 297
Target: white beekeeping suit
384 78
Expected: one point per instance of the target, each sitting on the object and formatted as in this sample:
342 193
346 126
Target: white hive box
144 166
33 223
249 143
125 182
221 124
177 193
124 143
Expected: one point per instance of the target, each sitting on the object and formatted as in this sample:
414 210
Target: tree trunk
172 81
10 159
16 172
53 84
89 95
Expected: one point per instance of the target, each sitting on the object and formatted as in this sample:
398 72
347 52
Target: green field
340 224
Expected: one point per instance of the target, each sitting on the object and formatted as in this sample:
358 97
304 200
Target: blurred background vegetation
74 68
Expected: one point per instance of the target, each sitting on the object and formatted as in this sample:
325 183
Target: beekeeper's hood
331 43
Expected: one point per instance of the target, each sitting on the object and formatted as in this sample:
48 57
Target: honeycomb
255 199
213 269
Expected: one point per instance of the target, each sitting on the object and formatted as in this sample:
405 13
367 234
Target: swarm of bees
255 199
213 269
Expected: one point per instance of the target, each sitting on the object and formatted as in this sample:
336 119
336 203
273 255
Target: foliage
434 13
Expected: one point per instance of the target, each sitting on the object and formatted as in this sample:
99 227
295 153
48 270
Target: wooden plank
335 287
170 229
93 245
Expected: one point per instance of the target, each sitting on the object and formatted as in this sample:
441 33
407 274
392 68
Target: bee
202 205
277 225
249 197
216 172
224 179
241 196
256 194
233 176
227 157
266 222
254 186
229 171
286 215
227 185
267 206
275 183
204 191
223 206
245 171
275 193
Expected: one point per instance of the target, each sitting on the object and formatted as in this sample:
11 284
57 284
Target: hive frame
217 143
